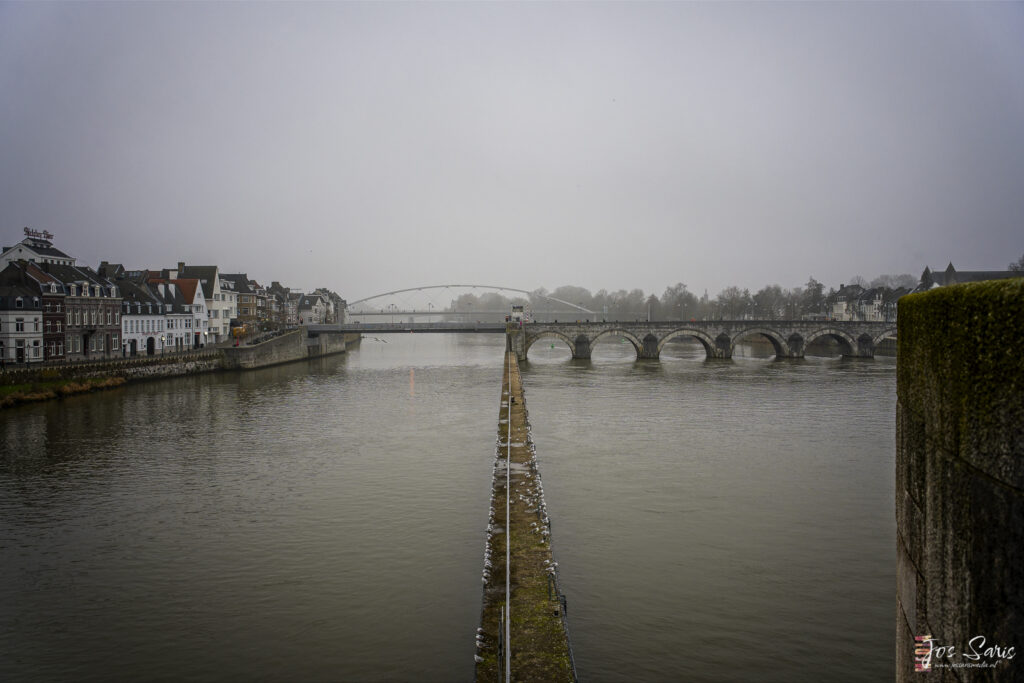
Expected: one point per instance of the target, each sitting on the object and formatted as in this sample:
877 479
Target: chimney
181 267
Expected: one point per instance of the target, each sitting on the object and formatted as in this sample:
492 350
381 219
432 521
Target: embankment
44 382
296 345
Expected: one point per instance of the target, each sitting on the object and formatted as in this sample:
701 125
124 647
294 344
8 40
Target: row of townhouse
53 309
854 302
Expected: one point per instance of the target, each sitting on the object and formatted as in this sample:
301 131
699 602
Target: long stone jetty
523 634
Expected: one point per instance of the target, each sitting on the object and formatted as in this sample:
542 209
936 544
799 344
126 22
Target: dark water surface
324 521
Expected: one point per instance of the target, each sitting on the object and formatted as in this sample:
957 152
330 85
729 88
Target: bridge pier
796 346
723 347
865 347
649 350
515 340
582 349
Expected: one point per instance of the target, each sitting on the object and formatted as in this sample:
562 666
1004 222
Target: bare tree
1018 265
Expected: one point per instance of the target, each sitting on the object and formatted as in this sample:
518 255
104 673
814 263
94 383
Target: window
36 325
58 326
110 318
19 303
48 325
58 308
19 325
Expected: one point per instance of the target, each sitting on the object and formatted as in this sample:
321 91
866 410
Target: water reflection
320 521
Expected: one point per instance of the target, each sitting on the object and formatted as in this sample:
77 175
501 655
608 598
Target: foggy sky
369 147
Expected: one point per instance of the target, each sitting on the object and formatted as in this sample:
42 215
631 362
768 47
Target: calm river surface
728 521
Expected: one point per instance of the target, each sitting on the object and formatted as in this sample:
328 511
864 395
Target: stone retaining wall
960 479
169 365
286 348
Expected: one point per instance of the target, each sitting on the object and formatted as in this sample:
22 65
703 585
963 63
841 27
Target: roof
110 270
952 276
240 281
188 288
41 247
207 275
136 293
308 301
29 293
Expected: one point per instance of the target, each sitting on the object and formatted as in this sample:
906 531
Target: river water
324 521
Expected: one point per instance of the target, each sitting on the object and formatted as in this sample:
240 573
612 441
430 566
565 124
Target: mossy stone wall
960 474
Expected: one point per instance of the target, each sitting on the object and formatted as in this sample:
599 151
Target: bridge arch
703 337
848 343
888 332
534 337
780 345
633 339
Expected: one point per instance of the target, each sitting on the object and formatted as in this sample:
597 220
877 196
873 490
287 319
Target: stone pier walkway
538 638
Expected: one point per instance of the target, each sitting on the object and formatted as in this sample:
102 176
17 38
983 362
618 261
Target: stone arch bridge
719 337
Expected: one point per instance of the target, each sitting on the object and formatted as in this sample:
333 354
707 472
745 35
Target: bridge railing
405 327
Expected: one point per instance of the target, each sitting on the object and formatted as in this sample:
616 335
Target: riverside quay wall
285 348
523 635
45 381
960 484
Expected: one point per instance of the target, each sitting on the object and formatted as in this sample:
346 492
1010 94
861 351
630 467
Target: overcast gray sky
373 146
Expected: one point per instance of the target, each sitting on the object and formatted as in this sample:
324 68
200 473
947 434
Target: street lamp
161 344
430 310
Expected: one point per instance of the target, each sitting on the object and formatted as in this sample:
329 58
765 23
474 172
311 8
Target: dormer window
19 303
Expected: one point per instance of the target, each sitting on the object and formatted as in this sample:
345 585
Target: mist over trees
677 302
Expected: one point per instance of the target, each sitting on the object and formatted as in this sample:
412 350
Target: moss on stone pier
960 472
539 641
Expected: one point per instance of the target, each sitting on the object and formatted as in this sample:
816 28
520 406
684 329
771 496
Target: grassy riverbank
16 394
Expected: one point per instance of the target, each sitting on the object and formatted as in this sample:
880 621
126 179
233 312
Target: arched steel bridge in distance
529 295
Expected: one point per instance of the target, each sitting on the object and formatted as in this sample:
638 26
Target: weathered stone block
960 472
